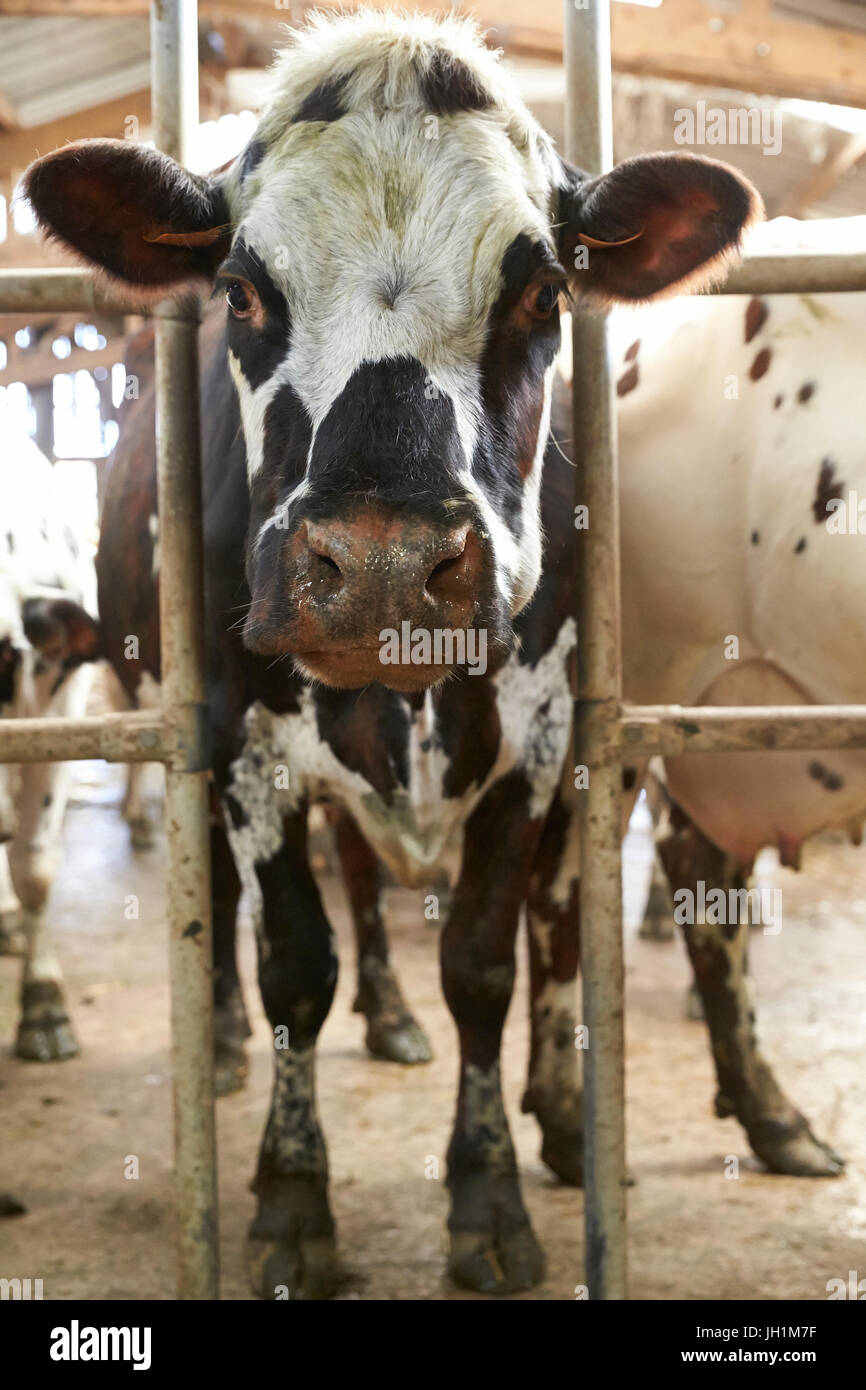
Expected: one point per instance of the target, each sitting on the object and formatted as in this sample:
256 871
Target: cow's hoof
800 1155
496 1264
398 1042
46 1040
493 1247
291 1248
562 1151
229 1069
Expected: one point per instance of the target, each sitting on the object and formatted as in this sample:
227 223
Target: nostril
326 560
451 576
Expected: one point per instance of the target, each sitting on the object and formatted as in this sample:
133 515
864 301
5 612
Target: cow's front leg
231 1025
44 1031
11 933
553 1091
493 1248
777 1131
291 1247
392 1032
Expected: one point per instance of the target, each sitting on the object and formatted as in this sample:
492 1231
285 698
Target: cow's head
392 245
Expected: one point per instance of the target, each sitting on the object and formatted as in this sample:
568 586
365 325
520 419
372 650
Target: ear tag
603 245
206 238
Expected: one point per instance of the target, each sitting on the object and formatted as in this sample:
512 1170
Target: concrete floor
68 1128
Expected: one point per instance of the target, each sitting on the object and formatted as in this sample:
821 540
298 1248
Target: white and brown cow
392 247
46 638
743 504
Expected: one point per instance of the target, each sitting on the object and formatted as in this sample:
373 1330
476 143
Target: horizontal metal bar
643 731
66 291
63 291
139 737
797 273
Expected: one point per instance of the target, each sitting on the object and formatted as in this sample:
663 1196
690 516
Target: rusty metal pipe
140 737
589 130
174 65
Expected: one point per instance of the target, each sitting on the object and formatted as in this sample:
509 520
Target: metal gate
608 732
176 735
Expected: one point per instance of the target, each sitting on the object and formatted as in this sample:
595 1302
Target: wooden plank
109 118
754 48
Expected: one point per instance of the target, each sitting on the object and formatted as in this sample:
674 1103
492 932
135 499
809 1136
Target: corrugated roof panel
50 67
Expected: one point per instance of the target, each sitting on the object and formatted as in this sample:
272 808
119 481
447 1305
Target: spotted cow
381 502
743 589
47 640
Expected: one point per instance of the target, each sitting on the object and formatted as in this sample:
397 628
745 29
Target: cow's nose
398 566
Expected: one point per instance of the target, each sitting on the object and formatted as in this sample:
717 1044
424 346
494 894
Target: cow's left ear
62 631
656 223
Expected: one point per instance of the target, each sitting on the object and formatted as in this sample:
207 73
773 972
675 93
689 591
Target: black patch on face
387 437
449 86
258 350
252 157
800 546
755 538
325 102
512 383
827 490
806 392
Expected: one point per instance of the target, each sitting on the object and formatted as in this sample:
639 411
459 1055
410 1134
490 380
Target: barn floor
68 1128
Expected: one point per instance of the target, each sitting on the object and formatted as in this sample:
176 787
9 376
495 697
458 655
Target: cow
393 246
745 592
48 639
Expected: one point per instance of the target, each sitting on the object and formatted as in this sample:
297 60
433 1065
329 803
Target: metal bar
140 737
648 730
174 59
68 291
797 273
63 291
589 130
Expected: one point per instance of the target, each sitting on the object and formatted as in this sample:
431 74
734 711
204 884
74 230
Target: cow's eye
240 300
541 300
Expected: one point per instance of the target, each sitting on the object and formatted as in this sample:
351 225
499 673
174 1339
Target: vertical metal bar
174 66
589 144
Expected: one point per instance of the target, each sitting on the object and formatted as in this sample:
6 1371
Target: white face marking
386 229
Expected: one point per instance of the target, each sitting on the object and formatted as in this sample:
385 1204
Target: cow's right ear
132 211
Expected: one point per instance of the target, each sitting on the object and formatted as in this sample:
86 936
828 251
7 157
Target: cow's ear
656 223
132 211
62 631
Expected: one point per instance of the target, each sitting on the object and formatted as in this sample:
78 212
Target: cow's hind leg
291 1248
553 1092
392 1032
777 1131
493 1248
231 1025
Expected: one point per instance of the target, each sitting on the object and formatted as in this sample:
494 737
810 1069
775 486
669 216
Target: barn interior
706 1222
